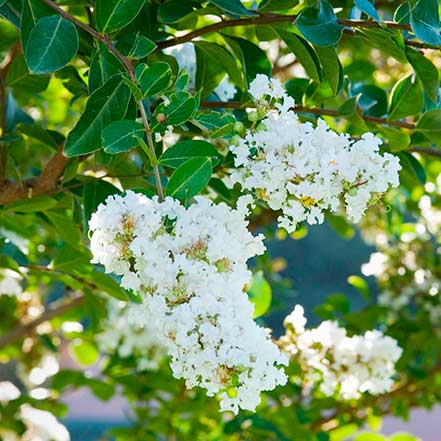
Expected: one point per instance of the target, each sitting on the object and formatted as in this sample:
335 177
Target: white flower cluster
189 266
127 340
347 366
41 425
10 283
304 170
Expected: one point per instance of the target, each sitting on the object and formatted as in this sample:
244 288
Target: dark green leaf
95 193
106 104
181 108
254 60
430 124
19 77
372 99
331 67
387 41
184 150
189 178
174 11
41 203
277 5
135 46
64 226
233 8
52 43
406 98
119 136
154 79
103 66
424 20
112 15
32 11
426 72
260 294
304 53
412 164
368 8
319 24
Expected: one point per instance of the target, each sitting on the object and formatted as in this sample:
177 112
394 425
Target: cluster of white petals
189 266
41 425
305 170
341 365
130 340
8 392
10 283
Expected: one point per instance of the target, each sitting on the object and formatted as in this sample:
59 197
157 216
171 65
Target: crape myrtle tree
150 150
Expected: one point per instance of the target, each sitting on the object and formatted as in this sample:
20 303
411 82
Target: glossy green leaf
396 139
304 53
120 136
112 15
19 77
426 72
154 79
174 11
372 99
95 193
389 42
103 66
181 152
260 294
254 60
51 44
32 11
424 20
180 109
189 178
430 124
406 98
332 68
135 46
410 163
319 24
233 8
106 104
368 8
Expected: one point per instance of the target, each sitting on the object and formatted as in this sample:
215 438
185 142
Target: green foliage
260 294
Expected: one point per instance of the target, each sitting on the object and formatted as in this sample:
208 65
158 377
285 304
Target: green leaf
304 53
40 203
360 285
108 285
119 136
412 164
370 437
219 124
32 11
260 294
372 99
218 55
189 178
388 41
84 352
254 60
68 231
396 139
154 79
406 98
112 15
277 5
135 46
174 11
233 8
368 8
208 73
319 24
426 72
106 104
95 193
424 20
69 258
181 108
52 43
184 150
332 67
19 77
103 66
430 124
402 436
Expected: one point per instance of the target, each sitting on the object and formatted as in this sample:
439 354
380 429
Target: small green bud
232 392
239 127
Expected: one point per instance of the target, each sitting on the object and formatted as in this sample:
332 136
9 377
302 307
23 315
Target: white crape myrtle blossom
8 392
41 425
338 364
189 266
10 283
305 170
142 342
